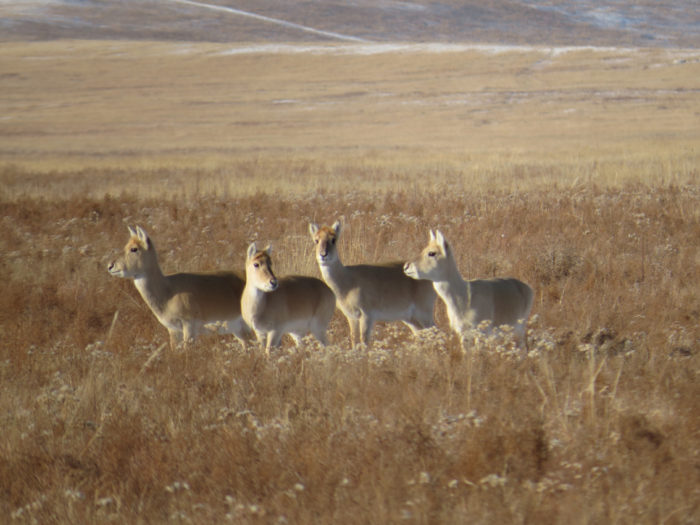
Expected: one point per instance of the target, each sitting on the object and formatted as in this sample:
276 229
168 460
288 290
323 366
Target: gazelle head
432 262
138 258
326 242
258 269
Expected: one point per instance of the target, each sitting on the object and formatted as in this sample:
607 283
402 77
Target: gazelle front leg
175 338
261 337
366 324
354 325
273 340
190 329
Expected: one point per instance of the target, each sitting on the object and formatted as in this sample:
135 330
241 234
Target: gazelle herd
229 302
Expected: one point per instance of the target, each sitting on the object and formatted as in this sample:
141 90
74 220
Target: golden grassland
162 111
596 208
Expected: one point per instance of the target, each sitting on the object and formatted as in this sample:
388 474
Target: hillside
551 22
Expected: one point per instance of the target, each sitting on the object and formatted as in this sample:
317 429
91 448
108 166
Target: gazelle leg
175 338
366 325
354 325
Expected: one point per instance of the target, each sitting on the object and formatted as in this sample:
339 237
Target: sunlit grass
78 107
102 423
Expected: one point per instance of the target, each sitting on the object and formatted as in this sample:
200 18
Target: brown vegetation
597 424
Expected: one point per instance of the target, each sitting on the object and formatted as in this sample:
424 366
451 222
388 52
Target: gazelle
370 293
294 305
184 303
469 303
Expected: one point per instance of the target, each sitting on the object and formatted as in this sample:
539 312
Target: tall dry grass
598 424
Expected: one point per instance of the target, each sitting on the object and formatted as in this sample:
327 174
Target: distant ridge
284 23
626 23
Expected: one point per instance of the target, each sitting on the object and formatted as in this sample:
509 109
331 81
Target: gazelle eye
316 241
432 254
134 249
256 265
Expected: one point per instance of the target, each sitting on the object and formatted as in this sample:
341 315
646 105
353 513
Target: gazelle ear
268 249
132 232
432 235
440 239
252 250
336 228
313 229
143 236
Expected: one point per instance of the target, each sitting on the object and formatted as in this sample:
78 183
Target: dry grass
598 424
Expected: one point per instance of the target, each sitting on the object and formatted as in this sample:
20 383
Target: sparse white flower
493 480
74 495
103 502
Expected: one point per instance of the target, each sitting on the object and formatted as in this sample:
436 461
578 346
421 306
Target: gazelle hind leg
425 319
521 336
239 329
319 328
322 336
415 327
420 320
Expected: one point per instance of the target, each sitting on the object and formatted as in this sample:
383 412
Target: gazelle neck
253 293
454 291
333 272
253 304
153 287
